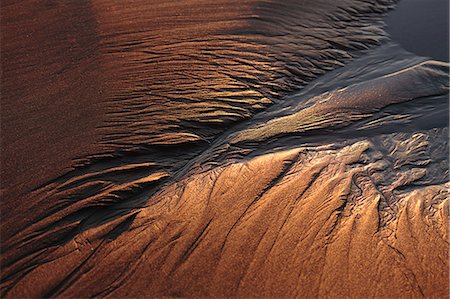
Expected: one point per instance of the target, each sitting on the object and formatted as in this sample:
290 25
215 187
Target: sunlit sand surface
277 149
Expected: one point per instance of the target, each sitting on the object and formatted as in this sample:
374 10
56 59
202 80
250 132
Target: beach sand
228 149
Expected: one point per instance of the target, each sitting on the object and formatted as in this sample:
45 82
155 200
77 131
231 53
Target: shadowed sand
241 149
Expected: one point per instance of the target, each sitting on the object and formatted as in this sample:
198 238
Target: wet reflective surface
273 149
421 27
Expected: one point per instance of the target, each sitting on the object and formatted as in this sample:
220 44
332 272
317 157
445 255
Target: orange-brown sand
187 149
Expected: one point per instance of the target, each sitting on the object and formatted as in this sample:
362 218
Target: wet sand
241 149
421 27
52 88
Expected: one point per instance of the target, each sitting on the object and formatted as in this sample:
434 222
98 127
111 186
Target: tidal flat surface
229 148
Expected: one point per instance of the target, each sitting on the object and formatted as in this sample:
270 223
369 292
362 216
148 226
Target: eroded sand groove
338 189
165 74
321 217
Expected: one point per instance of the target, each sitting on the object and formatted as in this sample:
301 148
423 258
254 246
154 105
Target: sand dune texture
274 149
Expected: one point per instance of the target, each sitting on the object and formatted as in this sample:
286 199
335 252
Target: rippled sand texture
234 149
